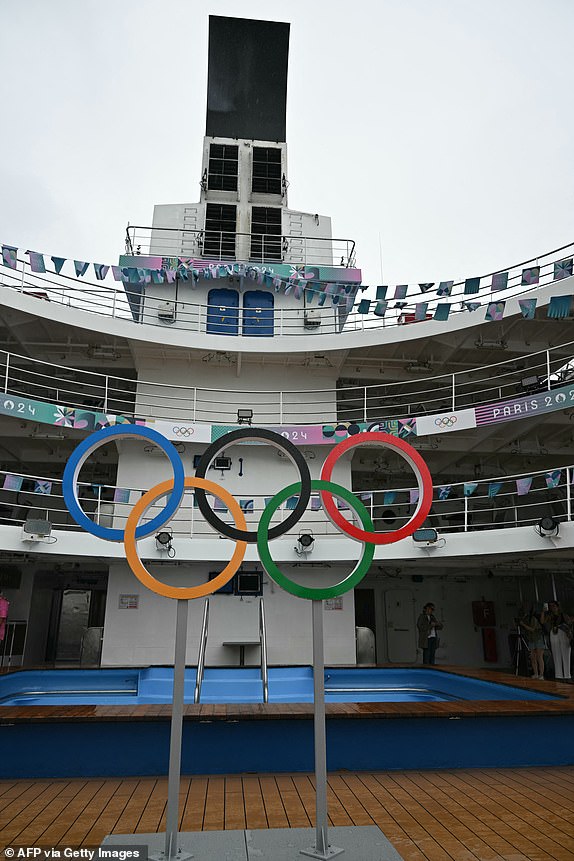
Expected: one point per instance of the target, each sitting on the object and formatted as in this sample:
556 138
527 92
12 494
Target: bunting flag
362 307
442 311
495 311
58 263
401 304
12 482
445 288
44 487
291 503
389 497
413 496
421 311
101 270
342 505
563 269
117 273
559 307
523 485
471 285
10 256
444 491
499 281
246 505
80 267
380 309
471 306
553 478
528 308
122 494
157 276
381 292
426 287
400 291
493 488
530 276
218 504
36 261
470 487
316 504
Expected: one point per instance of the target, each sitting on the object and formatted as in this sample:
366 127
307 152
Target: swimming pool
150 685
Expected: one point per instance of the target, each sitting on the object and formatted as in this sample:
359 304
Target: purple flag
499 281
12 482
495 311
523 485
36 261
531 275
413 496
122 494
400 291
10 256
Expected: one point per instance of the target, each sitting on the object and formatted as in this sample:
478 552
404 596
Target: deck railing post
365 404
548 384
453 392
466 513
568 493
106 394
6 373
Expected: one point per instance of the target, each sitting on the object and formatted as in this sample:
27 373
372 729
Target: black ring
279 442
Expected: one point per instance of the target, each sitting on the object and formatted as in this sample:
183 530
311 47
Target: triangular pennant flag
527 308
444 491
10 256
442 311
499 281
426 287
413 496
389 497
101 270
523 485
117 273
44 487
58 263
471 306
80 267
563 269
36 261
470 487
444 288
471 285
493 488
530 276
400 291
495 311
553 478
559 307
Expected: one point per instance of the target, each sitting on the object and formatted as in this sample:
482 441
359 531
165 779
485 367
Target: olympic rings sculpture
174 490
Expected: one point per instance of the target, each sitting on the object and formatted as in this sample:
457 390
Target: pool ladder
203 645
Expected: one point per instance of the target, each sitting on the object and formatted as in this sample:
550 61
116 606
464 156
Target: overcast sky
440 130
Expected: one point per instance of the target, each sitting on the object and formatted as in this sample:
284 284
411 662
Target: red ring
420 468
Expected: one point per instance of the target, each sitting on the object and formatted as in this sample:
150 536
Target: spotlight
425 536
244 417
531 384
305 543
164 541
547 526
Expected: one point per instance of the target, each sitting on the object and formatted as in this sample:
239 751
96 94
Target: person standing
536 644
428 625
559 627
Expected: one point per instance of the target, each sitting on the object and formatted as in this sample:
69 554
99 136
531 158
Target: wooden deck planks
448 815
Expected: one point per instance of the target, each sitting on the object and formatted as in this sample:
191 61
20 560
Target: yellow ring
139 568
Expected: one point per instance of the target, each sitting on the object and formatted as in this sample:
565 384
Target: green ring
281 579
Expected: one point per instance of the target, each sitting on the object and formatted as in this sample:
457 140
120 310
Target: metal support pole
173 781
321 849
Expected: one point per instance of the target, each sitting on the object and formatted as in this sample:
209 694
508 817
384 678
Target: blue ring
84 450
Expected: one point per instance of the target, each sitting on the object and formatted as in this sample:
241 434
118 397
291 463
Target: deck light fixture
425 536
547 526
244 417
164 541
305 543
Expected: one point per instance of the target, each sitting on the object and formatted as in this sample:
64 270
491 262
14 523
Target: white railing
488 506
80 389
110 301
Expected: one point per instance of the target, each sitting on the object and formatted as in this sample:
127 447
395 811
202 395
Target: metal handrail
263 642
201 654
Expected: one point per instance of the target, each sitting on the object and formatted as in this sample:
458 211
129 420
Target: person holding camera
559 627
536 643
428 625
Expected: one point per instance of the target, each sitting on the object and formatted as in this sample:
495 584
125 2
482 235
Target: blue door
258 313
222 311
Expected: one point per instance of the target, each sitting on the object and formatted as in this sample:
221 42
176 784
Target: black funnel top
247 79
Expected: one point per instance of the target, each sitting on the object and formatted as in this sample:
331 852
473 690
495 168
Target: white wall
146 635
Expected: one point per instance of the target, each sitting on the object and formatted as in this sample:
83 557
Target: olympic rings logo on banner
183 431
175 488
445 421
